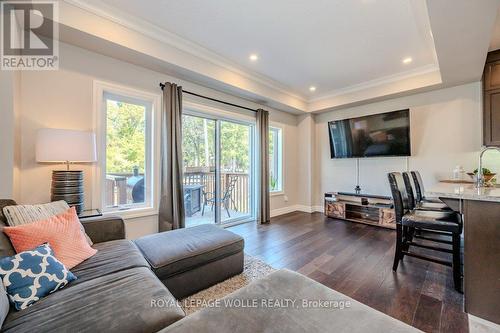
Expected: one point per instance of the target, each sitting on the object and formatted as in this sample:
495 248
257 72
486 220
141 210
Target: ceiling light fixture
407 60
253 57
312 88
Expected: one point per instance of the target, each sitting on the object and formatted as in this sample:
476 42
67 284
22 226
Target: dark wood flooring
356 260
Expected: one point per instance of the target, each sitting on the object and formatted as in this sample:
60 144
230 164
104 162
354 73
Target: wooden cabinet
492 75
491 120
491 103
482 259
350 207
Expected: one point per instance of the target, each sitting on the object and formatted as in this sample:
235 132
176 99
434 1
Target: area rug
254 269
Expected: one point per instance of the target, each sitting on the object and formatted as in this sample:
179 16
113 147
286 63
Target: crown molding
431 68
338 97
153 31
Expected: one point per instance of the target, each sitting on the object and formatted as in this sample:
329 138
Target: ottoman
192 259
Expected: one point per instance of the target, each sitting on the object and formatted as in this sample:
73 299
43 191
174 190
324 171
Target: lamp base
68 186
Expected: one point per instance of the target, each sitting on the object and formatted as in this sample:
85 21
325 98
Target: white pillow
25 214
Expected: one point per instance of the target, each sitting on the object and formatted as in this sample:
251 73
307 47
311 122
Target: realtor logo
30 35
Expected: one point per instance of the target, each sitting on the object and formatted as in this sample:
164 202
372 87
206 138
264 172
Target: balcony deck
209 217
235 185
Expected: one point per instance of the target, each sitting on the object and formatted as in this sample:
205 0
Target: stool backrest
419 186
399 195
410 189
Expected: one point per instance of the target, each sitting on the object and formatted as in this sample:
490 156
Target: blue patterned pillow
31 275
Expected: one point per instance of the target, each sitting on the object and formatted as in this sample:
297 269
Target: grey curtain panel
171 215
263 211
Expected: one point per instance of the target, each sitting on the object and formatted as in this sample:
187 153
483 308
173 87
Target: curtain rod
162 85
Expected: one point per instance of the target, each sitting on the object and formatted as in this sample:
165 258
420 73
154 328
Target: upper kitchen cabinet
491 105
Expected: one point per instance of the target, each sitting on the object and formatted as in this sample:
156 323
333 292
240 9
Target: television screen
384 134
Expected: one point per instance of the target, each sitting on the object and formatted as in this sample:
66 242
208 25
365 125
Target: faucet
480 177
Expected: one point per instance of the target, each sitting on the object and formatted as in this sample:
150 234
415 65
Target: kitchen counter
465 192
480 208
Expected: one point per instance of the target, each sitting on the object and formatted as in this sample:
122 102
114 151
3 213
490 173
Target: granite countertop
464 191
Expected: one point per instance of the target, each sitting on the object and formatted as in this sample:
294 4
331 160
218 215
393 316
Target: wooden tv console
363 208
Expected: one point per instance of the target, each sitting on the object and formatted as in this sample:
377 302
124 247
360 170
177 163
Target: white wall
63 99
9 134
306 162
445 131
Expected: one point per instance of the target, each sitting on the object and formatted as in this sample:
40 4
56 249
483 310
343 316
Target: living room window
127 151
275 160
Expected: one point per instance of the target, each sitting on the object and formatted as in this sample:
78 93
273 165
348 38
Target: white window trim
210 112
281 191
99 88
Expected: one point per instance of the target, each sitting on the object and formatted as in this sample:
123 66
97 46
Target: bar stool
420 191
409 221
411 190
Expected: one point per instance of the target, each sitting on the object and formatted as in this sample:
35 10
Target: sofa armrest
102 229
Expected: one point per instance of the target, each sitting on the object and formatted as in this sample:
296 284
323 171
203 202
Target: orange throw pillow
61 231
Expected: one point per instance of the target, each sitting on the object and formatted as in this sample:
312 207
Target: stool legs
405 235
456 263
399 246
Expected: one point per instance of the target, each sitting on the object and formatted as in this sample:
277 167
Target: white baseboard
304 208
479 325
284 210
319 209
296 208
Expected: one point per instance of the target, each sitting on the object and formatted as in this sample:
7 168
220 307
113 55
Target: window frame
218 114
102 92
278 159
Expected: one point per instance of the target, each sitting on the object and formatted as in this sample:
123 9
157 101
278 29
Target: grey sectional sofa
117 287
113 291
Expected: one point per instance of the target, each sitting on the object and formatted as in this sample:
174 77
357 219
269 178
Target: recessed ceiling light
407 60
312 88
253 57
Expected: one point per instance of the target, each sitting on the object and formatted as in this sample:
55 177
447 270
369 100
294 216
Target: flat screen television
384 134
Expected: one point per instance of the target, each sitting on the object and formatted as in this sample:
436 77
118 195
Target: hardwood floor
356 260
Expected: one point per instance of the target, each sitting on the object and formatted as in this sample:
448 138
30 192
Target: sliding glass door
198 152
236 176
218 170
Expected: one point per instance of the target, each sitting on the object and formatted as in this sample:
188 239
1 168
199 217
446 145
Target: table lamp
66 146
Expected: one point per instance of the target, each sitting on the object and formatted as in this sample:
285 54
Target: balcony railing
119 187
240 198
118 193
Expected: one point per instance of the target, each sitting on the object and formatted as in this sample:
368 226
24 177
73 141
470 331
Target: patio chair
226 200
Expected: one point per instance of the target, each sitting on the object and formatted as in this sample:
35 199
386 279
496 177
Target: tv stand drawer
334 209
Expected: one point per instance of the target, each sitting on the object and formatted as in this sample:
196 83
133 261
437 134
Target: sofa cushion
4 304
6 248
5 203
118 302
31 275
172 252
111 257
285 301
